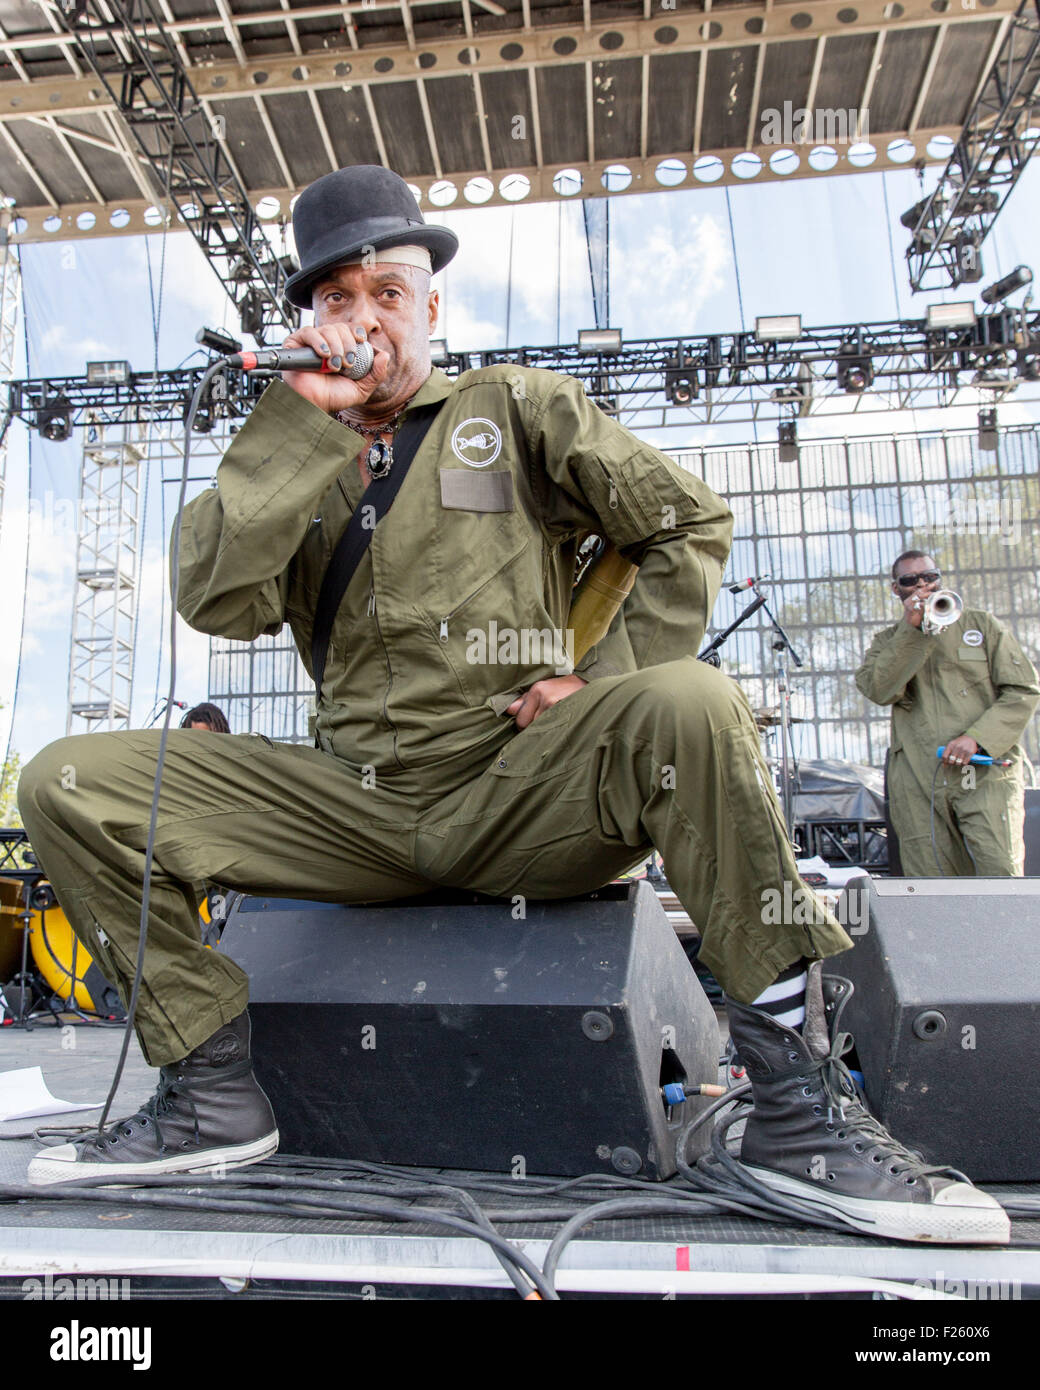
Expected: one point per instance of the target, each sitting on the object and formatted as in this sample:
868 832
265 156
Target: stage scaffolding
261 686
10 303
104 623
826 527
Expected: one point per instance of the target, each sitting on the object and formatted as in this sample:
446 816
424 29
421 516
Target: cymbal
768 718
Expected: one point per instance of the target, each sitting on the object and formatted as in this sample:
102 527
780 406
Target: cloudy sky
826 248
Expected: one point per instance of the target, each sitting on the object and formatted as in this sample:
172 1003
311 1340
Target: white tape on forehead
395 255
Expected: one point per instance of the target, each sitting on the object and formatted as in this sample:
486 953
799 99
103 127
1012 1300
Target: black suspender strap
355 540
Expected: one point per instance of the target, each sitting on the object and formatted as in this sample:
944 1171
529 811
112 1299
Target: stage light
680 381
1001 289
439 354
251 314
781 328
204 418
912 216
855 369
788 440
608 405
54 419
599 339
988 430
1029 366
108 373
796 390
959 315
218 341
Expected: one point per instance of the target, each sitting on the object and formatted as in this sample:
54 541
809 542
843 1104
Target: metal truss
999 137
10 299
131 52
162 396
520 185
845 369
101 665
263 687
826 526
249 59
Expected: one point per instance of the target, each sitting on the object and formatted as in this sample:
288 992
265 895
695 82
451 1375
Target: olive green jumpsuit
419 777
973 678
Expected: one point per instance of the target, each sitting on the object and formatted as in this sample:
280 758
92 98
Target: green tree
9 817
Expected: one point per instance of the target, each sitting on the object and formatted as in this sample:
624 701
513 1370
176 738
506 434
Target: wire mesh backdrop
826 527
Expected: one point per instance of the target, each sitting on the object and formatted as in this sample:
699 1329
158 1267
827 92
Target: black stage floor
190 1251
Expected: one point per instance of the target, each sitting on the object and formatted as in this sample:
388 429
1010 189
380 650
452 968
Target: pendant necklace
380 457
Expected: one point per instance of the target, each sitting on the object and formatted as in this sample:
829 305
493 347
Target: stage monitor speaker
1032 831
946 1017
466 1032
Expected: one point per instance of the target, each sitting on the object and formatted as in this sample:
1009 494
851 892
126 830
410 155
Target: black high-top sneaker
209 1114
810 1136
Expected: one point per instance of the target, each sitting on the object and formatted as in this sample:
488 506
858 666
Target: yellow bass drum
63 960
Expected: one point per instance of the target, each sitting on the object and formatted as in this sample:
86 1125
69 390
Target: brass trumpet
941 609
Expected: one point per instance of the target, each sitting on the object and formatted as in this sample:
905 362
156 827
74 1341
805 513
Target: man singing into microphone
968 689
433 767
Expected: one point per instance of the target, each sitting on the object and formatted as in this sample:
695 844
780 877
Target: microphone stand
782 643
710 654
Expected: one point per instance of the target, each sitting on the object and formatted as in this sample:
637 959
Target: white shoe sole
61 1164
967 1217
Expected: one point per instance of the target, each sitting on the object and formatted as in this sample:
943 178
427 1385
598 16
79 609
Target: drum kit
44 968
769 721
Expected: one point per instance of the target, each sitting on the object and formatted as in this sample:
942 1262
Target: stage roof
495 99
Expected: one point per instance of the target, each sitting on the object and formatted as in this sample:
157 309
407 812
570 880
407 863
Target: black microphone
304 360
748 584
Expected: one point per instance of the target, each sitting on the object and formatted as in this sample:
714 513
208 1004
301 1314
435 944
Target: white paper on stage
24 1095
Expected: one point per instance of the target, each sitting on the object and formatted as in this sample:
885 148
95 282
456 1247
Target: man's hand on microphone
329 391
960 750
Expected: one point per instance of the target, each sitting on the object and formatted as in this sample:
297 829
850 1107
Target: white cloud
89 349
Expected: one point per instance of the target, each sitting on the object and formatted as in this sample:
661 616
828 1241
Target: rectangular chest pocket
972 667
473 490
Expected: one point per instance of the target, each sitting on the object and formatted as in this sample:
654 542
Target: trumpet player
955 678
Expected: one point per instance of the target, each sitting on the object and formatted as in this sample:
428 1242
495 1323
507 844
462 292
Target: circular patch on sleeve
973 637
477 442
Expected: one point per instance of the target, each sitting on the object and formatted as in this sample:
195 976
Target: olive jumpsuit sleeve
893 659
660 517
237 540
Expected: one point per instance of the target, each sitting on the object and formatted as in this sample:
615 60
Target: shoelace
840 1092
160 1103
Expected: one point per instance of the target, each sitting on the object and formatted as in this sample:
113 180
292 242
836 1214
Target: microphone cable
359 364
200 390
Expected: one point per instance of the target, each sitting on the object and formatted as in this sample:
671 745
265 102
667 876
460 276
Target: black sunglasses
910 581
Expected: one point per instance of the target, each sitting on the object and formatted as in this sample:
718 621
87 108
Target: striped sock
784 1000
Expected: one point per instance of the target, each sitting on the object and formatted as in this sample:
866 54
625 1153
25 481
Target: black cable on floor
325 1206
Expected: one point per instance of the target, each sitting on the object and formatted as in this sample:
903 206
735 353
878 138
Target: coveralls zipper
389 676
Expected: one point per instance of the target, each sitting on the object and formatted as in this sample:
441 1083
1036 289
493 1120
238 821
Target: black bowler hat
343 212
